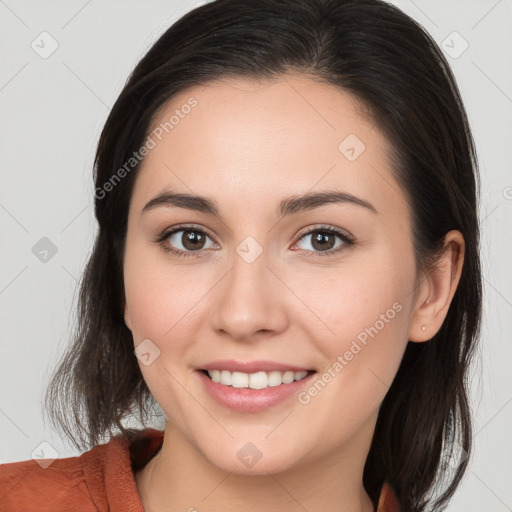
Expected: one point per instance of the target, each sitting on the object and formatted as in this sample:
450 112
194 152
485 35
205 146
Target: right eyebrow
182 200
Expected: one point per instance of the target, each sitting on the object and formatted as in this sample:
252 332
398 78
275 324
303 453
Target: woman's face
268 276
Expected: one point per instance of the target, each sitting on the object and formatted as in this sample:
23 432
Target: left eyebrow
314 200
288 206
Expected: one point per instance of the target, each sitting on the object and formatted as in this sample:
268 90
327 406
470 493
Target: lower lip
251 400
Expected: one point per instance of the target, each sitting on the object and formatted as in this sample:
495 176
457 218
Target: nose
251 299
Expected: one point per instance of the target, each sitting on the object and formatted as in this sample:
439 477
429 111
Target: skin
248 145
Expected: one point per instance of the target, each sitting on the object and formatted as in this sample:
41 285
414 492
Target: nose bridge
248 299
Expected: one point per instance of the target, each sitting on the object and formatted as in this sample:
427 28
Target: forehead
246 140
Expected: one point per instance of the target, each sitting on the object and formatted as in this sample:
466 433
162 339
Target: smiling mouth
257 380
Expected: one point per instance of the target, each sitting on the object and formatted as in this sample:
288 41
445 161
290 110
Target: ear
437 289
127 319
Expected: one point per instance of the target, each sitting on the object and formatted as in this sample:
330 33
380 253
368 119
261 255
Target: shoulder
27 485
99 480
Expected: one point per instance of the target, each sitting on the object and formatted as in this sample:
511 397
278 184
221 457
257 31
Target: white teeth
288 377
239 380
225 377
299 375
275 378
258 380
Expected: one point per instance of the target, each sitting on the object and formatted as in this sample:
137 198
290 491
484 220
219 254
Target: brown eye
185 241
325 241
322 240
192 240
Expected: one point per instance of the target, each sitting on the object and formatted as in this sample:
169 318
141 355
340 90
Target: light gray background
52 111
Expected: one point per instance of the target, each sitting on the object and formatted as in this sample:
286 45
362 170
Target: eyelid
167 232
325 227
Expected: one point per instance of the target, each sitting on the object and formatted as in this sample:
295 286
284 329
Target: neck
179 478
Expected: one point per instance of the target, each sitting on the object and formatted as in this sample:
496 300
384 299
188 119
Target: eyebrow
288 206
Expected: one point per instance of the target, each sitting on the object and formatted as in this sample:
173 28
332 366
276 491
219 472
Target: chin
253 458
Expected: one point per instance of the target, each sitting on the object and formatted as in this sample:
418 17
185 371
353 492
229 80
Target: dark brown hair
393 66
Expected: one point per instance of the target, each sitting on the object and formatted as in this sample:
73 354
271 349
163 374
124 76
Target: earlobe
437 290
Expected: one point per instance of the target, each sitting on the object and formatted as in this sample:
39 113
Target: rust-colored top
100 480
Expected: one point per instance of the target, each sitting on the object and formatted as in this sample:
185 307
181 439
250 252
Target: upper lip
252 366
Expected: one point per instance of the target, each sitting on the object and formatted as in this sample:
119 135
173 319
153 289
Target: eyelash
162 240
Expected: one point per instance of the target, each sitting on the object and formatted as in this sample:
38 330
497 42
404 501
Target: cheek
149 295
345 305
150 307
369 324
162 297
361 329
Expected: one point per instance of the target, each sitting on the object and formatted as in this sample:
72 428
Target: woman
286 264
